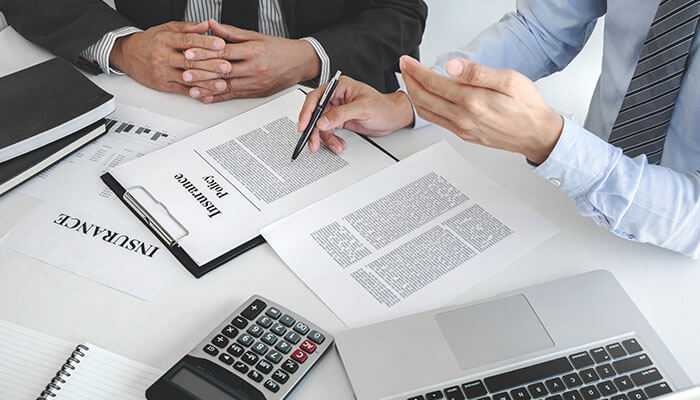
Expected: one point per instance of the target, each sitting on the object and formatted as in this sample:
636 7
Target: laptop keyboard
618 371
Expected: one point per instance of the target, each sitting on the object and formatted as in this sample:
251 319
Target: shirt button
554 181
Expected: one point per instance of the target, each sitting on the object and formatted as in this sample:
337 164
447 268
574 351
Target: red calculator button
308 346
299 356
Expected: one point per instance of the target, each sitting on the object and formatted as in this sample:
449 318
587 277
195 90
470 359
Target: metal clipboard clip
156 215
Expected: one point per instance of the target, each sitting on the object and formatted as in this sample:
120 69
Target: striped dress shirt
627 195
270 22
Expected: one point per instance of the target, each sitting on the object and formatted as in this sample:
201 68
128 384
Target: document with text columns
407 239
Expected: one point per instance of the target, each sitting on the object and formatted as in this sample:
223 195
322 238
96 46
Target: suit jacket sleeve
64 27
369 42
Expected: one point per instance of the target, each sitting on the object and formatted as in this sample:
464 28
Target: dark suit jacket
363 38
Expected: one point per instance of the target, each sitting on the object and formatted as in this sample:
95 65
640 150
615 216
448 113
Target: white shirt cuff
325 60
100 51
418 122
579 160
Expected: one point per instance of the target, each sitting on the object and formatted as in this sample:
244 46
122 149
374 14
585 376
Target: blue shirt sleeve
631 198
540 38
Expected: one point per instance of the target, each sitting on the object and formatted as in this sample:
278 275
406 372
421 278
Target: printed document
131 133
407 239
82 227
219 188
101 244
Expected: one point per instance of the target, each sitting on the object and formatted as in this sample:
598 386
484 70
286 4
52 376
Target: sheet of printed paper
407 239
80 226
103 244
223 185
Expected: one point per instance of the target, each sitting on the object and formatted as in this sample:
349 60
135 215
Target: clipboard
200 247
169 242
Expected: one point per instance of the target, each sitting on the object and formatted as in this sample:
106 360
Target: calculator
260 352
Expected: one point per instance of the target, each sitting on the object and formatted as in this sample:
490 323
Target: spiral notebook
35 366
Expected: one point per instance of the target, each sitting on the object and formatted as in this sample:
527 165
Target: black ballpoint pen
320 108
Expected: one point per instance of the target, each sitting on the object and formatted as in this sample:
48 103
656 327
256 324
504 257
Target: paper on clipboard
223 185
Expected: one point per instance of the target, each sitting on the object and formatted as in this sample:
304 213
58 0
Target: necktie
646 111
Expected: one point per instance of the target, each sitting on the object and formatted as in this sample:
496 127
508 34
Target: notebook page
102 375
28 361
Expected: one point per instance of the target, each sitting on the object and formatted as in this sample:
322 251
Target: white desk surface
664 285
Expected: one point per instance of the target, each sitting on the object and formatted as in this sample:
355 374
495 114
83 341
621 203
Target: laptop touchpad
494 331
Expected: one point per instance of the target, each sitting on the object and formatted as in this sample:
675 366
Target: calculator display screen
199 387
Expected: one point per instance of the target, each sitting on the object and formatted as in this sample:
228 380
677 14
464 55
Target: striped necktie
644 118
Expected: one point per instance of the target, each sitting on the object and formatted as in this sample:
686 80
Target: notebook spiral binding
64 373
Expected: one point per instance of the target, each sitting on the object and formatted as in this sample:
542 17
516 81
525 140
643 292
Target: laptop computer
688 394
579 338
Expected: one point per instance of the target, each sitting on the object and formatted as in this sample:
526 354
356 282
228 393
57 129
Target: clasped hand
179 57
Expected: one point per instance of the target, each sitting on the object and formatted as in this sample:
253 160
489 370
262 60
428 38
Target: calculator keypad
274 356
266 345
279 329
273 313
287 321
280 376
211 350
230 332
253 310
299 356
255 331
301 328
239 322
292 337
284 347
265 322
235 350
272 386
241 367
290 366
246 340
226 358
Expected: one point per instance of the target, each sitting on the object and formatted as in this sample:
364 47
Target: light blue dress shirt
629 197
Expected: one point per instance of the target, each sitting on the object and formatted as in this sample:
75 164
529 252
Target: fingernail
455 68
194 92
208 99
406 61
220 85
189 55
219 44
225 68
336 149
323 123
187 77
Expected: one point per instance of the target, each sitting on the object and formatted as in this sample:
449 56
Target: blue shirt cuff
579 160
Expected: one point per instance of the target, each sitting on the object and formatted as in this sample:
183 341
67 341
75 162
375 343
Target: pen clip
329 88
